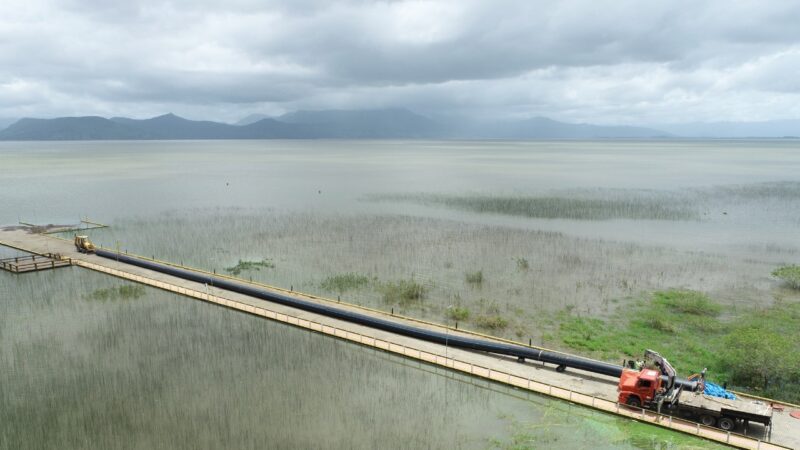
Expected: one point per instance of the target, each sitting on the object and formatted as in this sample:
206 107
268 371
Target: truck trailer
648 387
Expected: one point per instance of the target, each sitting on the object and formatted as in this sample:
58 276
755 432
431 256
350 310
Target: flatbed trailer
640 388
715 411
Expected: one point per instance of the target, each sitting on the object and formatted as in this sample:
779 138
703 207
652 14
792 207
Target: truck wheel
726 423
707 420
634 401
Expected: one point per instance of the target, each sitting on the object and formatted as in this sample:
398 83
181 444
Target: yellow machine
83 244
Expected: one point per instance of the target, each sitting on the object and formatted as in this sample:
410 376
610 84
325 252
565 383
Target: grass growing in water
440 253
403 292
458 313
475 278
491 322
125 292
344 282
687 302
789 274
557 207
243 266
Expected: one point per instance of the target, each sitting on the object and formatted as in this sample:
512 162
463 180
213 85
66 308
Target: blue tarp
716 390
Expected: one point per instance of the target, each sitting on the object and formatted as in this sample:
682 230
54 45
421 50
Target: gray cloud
606 62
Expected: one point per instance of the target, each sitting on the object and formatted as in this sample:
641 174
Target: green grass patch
245 266
125 292
665 322
657 321
789 274
344 282
756 351
404 292
687 302
458 313
585 333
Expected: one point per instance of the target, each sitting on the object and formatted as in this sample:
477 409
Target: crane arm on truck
657 389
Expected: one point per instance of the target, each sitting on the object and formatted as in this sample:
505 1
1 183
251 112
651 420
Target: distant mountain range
336 124
6 122
394 123
771 129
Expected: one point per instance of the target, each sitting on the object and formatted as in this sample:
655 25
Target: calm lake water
62 181
168 372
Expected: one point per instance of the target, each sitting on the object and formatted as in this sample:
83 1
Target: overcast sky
635 62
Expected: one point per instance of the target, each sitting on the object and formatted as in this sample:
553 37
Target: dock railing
32 263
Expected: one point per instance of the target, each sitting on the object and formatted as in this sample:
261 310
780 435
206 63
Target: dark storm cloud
620 61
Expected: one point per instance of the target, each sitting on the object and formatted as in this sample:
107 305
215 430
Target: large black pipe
518 351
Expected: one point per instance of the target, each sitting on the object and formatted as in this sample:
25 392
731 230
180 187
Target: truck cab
638 388
649 389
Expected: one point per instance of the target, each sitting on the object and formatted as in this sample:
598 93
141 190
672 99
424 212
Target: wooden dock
590 390
33 263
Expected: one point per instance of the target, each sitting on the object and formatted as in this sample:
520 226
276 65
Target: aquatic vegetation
658 322
475 278
594 277
789 274
491 322
687 302
125 292
458 313
651 207
403 292
787 190
246 266
344 282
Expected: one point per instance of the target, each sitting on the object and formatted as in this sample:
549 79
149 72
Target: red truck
653 388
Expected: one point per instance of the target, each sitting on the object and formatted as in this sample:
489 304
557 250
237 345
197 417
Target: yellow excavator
83 244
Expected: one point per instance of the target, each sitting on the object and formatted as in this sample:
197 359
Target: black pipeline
559 359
